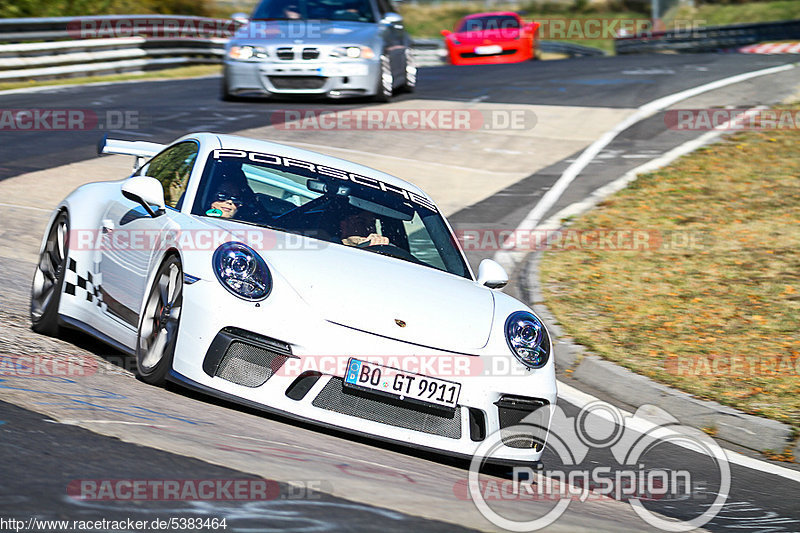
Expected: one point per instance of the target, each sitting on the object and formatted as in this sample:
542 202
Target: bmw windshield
337 10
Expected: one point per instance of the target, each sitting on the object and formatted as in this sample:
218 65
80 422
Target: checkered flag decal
88 287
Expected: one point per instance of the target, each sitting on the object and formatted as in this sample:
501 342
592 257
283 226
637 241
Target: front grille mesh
335 397
523 422
248 365
298 82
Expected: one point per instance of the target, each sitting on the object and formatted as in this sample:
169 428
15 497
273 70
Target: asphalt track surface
42 457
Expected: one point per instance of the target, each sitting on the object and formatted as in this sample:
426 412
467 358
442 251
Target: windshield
353 10
328 204
489 22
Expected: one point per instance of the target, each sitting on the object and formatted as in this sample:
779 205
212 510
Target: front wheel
48 279
411 72
385 83
158 327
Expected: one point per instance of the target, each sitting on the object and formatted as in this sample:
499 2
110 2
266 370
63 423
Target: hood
292 32
493 36
370 292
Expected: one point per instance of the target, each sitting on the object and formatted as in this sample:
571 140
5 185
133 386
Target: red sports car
498 37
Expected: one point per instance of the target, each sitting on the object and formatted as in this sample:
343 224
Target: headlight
240 52
242 271
528 339
243 53
353 52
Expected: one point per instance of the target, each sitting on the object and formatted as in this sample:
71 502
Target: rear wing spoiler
139 149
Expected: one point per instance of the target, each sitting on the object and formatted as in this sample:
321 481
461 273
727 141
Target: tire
410 82
158 326
48 280
224 94
385 82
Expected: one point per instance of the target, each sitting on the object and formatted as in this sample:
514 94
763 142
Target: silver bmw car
333 48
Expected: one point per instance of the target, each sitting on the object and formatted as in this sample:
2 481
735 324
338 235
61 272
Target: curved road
103 424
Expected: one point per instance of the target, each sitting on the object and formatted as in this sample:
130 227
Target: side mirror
392 18
445 33
241 18
146 191
491 274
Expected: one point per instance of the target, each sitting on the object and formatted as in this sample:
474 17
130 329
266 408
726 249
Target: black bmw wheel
158 327
48 279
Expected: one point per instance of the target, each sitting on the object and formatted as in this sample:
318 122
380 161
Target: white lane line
404 159
26 207
580 399
577 208
509 258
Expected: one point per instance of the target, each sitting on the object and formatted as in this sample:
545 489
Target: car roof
256 145
491 13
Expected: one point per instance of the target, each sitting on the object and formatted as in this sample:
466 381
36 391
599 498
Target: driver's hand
373 240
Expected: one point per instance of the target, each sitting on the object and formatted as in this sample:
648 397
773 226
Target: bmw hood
313 32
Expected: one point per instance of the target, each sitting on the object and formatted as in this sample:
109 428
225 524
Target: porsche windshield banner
314 170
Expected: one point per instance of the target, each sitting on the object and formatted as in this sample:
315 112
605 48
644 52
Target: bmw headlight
243 53
353 52
528 339
242 271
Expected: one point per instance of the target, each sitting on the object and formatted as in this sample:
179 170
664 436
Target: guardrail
570 49
709 38
39 48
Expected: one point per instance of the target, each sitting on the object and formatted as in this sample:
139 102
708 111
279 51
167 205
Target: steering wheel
390 250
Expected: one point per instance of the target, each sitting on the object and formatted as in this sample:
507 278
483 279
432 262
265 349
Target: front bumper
511 52
310 388
334 79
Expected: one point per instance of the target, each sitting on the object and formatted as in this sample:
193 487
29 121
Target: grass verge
720 14
714 308
166 74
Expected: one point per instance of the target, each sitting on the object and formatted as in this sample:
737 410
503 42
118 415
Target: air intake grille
298 82
530 418
248 365
334 397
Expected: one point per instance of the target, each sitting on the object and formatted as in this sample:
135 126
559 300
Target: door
130 240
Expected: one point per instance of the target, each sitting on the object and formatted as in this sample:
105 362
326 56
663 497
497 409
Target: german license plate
406 386
488 50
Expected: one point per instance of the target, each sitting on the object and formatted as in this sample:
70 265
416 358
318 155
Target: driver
361 223
233 197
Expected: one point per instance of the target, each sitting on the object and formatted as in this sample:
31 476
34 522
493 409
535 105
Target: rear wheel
385 81
48 280
158 327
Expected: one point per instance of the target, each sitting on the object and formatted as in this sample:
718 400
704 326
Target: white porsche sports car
300 284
